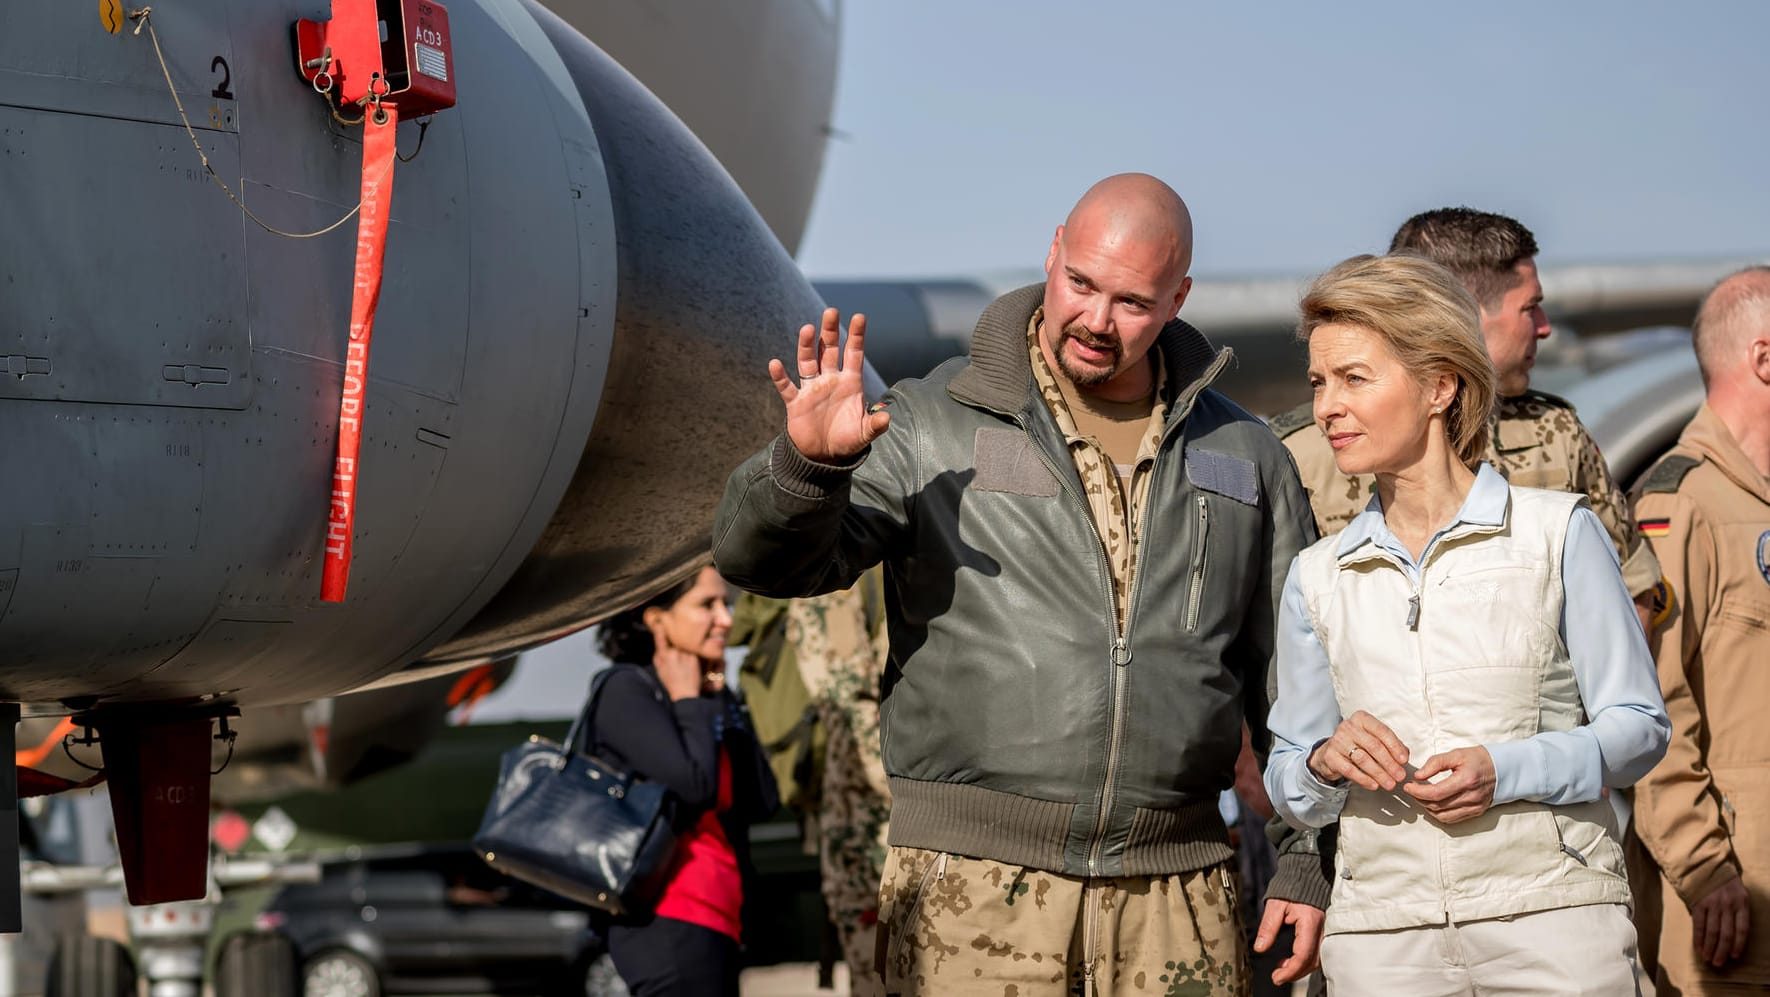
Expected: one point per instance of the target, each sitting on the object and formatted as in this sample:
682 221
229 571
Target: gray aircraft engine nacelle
567 361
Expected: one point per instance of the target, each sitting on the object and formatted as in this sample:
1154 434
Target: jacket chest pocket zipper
1199 552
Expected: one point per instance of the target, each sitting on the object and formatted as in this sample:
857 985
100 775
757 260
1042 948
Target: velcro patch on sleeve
1225 474
1654 527
1006 462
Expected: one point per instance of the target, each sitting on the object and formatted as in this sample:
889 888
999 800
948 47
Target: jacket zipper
1121 651
1418 584
1121 656
1199 551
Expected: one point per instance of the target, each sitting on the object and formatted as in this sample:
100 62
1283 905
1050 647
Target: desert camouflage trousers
950 925
840 650
852 818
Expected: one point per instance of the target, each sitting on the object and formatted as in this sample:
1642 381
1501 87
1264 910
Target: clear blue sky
1300 133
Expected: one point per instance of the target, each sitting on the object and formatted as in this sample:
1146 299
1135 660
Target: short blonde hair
1429 321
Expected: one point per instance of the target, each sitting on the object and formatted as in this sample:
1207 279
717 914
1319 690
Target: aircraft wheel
256 964
339 973
87 966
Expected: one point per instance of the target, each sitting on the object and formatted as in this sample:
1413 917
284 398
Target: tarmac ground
792 979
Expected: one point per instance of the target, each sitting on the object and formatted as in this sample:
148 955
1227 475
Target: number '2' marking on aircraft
227 76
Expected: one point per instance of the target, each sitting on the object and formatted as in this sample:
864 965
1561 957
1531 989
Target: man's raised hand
827 414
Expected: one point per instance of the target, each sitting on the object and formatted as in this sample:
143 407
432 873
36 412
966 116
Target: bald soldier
1063 702
1704 812
1536 440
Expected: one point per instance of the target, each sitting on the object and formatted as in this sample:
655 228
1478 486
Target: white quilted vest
1479 661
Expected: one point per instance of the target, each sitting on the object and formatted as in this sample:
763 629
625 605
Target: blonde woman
1461 674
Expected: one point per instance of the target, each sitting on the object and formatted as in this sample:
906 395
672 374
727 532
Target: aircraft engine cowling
702 287
567 360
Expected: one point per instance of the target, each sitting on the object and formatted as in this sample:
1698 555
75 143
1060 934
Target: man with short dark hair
1084 545
1491 254
1704 812
1537 440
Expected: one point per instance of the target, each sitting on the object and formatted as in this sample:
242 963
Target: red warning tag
371 244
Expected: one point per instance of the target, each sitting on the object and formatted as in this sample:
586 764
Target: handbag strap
583 732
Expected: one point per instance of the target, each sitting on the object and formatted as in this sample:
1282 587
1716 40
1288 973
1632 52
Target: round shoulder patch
1764 555
1664 601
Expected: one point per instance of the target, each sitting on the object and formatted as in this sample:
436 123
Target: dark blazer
637 727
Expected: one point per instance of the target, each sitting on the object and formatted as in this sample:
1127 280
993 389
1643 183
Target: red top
705 888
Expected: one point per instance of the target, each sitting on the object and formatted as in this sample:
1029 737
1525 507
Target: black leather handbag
578 826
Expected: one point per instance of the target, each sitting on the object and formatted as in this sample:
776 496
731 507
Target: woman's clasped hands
1452 786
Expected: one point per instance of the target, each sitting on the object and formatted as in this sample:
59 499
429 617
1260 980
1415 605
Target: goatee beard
1086 377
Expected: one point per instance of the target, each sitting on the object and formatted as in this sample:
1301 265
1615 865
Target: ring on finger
1353 751
807 377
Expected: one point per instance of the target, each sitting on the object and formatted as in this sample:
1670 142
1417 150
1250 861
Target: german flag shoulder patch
1654 527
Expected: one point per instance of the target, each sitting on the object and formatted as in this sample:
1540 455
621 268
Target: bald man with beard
1084 546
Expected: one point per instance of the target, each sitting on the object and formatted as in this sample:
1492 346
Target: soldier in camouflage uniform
1537 440
839 640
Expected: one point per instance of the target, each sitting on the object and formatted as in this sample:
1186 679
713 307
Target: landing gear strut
158 768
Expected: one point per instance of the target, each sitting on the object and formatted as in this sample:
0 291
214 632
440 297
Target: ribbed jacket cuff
1301 879
807 478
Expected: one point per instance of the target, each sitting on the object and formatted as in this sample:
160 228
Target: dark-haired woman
665 714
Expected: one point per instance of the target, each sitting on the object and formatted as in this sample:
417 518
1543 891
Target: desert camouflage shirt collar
1117 511
1066 423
